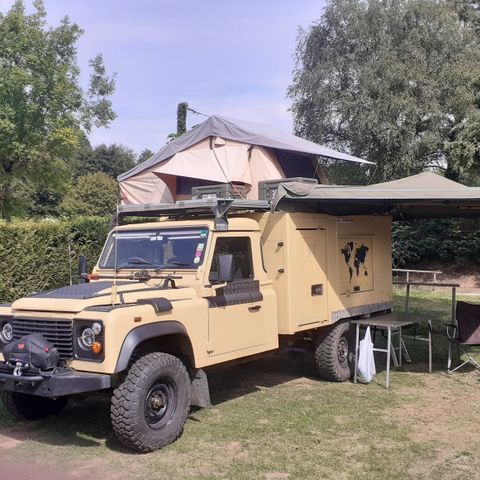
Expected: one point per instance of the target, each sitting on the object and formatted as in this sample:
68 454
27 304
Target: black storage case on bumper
40 373
32 350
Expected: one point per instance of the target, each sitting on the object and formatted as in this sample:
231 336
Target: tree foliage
395 82
182 118
145 154
111 159
448 240
92 194
43 109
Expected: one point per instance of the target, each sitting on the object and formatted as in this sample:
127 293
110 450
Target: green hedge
452 241
34 255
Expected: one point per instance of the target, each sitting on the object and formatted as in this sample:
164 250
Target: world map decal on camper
355 259
356 267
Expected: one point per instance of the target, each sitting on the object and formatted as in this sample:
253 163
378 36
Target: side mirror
225 267
82 268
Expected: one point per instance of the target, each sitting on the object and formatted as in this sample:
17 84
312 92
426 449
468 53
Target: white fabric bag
366 360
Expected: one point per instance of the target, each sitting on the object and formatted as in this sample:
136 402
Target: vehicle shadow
85 422
227 382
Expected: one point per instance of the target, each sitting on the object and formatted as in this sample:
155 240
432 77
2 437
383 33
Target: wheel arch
167 336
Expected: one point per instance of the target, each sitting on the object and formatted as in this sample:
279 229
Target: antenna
114 286
70 261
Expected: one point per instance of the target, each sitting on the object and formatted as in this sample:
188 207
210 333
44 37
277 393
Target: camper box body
326 268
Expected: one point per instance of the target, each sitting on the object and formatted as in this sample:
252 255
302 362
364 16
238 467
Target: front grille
58 332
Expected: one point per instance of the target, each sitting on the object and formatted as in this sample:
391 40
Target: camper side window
241 250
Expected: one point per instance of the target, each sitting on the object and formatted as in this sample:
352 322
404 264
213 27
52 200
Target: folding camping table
391 322
452 286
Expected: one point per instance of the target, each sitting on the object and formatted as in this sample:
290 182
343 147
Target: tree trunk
5 200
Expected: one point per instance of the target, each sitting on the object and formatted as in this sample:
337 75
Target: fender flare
146 332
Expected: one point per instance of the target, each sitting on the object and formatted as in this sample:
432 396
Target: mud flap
200 391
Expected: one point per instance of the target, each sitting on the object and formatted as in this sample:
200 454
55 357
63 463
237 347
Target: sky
233 58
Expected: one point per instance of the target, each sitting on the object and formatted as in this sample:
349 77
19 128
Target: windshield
155 248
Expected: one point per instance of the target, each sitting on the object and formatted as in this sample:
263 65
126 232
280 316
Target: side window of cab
241 249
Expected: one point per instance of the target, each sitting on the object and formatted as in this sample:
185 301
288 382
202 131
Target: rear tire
29 407
334 353
150 407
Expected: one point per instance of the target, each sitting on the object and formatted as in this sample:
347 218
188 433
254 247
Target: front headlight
6 331
97 328
89 340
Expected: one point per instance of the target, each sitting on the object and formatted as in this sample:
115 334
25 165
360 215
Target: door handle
254 308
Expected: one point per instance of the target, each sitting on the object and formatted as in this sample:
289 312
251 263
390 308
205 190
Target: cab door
236 310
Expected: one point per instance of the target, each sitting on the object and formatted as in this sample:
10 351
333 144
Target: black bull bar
56 384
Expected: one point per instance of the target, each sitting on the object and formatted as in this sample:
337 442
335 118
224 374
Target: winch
32 350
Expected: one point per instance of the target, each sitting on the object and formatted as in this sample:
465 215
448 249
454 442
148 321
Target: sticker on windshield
204 233
196 260
200 247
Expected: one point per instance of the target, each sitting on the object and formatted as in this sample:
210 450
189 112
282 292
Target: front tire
150 407
29 407
334 351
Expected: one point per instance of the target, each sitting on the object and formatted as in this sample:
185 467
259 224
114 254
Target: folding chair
466 332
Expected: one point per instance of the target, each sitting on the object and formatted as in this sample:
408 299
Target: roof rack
216 207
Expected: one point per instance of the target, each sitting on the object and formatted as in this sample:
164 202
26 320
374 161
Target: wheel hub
157 403
342 350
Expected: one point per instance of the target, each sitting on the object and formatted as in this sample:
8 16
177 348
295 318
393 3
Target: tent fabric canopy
241 131
205 163
424 195
222 150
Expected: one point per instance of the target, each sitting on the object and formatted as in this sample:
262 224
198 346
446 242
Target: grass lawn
273 419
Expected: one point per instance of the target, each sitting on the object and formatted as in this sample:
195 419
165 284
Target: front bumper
66 382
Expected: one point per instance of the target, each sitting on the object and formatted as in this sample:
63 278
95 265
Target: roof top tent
223 150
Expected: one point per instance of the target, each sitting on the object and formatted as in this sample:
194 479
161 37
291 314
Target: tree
395 82
43 109
145 154
92 194
182 118
110 159
43 196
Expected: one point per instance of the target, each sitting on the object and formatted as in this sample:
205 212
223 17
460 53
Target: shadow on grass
85 422
230 382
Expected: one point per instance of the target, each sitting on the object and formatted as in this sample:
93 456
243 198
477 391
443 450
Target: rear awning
425 195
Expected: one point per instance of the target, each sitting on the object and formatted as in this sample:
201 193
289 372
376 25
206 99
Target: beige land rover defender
196 288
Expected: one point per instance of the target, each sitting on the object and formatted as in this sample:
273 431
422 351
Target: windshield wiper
134 261
180 264
175 264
